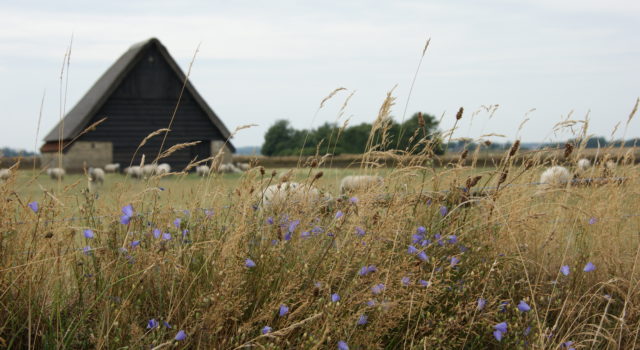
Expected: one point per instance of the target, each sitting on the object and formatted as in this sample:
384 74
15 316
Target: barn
138 94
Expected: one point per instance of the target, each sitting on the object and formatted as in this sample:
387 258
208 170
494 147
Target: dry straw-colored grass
510 238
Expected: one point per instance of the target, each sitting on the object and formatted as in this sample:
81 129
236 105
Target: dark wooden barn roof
78 118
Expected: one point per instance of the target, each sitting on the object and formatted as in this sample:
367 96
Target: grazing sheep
556 175
96 175
228 168
134 171
291 193
359 183
149 169
5 174
202 170
56 173
163 168
583 164
112 168
243 166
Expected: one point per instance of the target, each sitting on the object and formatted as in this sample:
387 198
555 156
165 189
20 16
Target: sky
541 61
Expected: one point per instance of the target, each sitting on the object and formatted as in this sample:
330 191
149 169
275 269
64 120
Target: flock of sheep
559 175
97 175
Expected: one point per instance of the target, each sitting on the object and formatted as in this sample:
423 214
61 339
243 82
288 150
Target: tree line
282 139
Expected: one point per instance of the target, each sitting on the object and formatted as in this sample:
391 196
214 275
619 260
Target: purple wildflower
157 233
453 239
335 297
166 236
305 234
249 263
181 336
567 344
565 270
424 283
293 224
33 206
209 212
497 335
339 214
454 261
185 232
284 309
378 288
127 212
592 221
266 329
412 250
135 243
481 303
270 220
429 201
589 267
502 327
423 256
527 331
86 250
371 303
406 281
443 210
353 200
88 234
342 345
362 320
421 230
523 306
359 231
287 236
152 324
177 222
415 238
166 324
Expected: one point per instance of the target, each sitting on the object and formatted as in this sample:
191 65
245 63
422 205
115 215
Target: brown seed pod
514 148
459 114
568 148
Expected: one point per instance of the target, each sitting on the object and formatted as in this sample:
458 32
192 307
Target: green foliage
283 140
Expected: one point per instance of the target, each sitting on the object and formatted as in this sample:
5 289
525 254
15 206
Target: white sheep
5 174
134 171
112 168
228 168
202 170
56 173
291 193
163 168
584 164
556 175
96 175
243 166
354 183
149 169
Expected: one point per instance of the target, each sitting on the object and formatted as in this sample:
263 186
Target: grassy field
429 260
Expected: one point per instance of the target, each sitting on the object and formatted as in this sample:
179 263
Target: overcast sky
263 61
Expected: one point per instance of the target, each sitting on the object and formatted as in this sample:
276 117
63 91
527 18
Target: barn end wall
227 155
79 155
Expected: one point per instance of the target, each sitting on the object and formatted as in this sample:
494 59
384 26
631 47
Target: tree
278 138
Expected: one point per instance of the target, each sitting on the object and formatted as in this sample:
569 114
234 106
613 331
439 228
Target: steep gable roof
78 118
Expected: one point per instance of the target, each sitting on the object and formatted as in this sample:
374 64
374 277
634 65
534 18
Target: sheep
356 183
96 175
112 168
291 193
610 165
583 164
149 169
243 166
556 175
5 174
56 173
202 170
228 168
134 171
163 168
